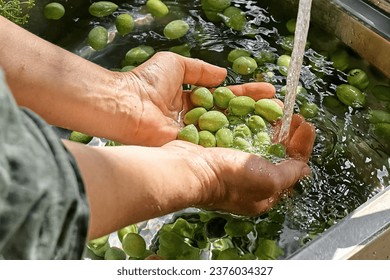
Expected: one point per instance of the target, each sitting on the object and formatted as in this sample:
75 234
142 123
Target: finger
302 142
256 90
296 121
288 172
200 73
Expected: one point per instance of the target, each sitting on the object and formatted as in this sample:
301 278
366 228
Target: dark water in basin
349 164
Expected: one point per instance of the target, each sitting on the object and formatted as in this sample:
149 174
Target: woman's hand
244 183
129 184
155 90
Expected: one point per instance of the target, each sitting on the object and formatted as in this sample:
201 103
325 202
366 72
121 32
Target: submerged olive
308 110
102 8
157 8
382 92
244 65
284 63
236 53
351 96
234 18
54 11
358 78
138 55
124 23
98 38
340 59
176 29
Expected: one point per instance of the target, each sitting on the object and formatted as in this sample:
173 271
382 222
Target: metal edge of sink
364 234
367 34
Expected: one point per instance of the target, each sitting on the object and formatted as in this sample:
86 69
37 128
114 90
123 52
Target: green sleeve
43 207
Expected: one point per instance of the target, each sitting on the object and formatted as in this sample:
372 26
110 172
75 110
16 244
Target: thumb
290 171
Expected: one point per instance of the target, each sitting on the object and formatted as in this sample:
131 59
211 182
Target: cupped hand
155 92
244 183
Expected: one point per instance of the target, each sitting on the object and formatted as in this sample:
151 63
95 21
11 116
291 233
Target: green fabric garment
43 207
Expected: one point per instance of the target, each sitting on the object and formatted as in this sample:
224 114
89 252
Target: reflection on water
349 164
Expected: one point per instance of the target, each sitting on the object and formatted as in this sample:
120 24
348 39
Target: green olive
340 59
268 109
224 138
176 29
114 253
236 53
244 65
207 139
192 116
351 96
241 105
382 92
102 8
127 68
201 96
242 131
264 57
382 130
183 50
123 231
134 245
219 5
54 11
213 16
262 140
284 63
212 121
242 144
157 8
80 137
99 246
291 25
358 78
138 55
98 38
222 97
308 110
256 123
234 120
124 23
234 18
378 116
277 150
189 133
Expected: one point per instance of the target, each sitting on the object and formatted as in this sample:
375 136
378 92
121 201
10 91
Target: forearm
129 184
65 89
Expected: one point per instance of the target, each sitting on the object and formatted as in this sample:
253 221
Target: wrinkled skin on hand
158 98
243 183
232 180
